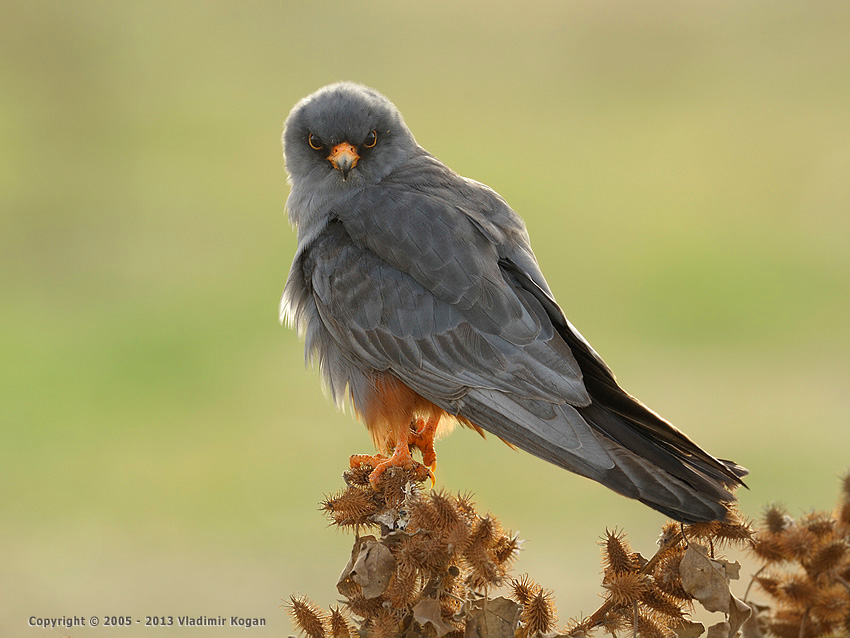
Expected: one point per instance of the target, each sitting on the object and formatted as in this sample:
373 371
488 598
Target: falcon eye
314 142
371 139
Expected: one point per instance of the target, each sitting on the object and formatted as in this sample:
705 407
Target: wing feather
447 352
438 286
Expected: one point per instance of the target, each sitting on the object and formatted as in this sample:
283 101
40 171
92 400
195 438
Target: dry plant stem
608 606
803 623
752 580
635 620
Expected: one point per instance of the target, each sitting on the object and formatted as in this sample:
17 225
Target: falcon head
344 136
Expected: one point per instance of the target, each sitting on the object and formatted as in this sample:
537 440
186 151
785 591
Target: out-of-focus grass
683 172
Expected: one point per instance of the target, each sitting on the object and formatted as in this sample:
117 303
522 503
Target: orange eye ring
371 140
314 142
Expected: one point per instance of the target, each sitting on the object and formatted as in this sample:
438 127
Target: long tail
653 461
655 456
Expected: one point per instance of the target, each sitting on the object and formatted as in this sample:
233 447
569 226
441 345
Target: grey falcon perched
419 297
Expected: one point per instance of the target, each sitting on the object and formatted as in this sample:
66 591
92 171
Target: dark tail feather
618 416
678 484
656 463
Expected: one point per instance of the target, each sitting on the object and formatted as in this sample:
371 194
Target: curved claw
423 439
421 436
400 458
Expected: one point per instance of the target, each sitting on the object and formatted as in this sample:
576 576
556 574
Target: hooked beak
343 157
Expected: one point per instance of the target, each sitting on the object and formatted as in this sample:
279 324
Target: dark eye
314 142
371 139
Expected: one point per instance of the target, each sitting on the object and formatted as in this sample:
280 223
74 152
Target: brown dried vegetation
430 556
433 563
806 571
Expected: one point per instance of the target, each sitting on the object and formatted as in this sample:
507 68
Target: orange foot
423 438
400 458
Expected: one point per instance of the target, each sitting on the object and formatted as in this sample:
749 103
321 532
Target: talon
401 458
423 439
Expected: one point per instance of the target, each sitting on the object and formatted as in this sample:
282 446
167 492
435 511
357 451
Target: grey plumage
405 268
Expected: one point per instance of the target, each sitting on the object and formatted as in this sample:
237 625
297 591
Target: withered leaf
754 625
733 570
705 579
739 611
689 629
373 569
345 585
371 566
720 630
495 618
427 610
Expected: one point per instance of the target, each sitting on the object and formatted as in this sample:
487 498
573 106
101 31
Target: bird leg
422 438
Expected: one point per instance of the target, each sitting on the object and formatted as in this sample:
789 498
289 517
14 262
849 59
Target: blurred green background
684 170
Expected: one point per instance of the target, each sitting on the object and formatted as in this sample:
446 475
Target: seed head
307 617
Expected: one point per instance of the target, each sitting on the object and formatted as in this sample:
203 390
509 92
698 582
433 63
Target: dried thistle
670 537
843 515
451 593
350 507
484 571
614 622
358 476
466 506
667 578
578 628
419 551
793 623
812 594
769 584
340 626
649 628
769 547
662 604
364 607
384 624
506 549
395 484
307 617
617 556
796 589
704 530
484 533
829 556
734 534
798 542
444 553
625 588
820 524
776 519
538 614
422 514
523 589
832 604
403 588
446 517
